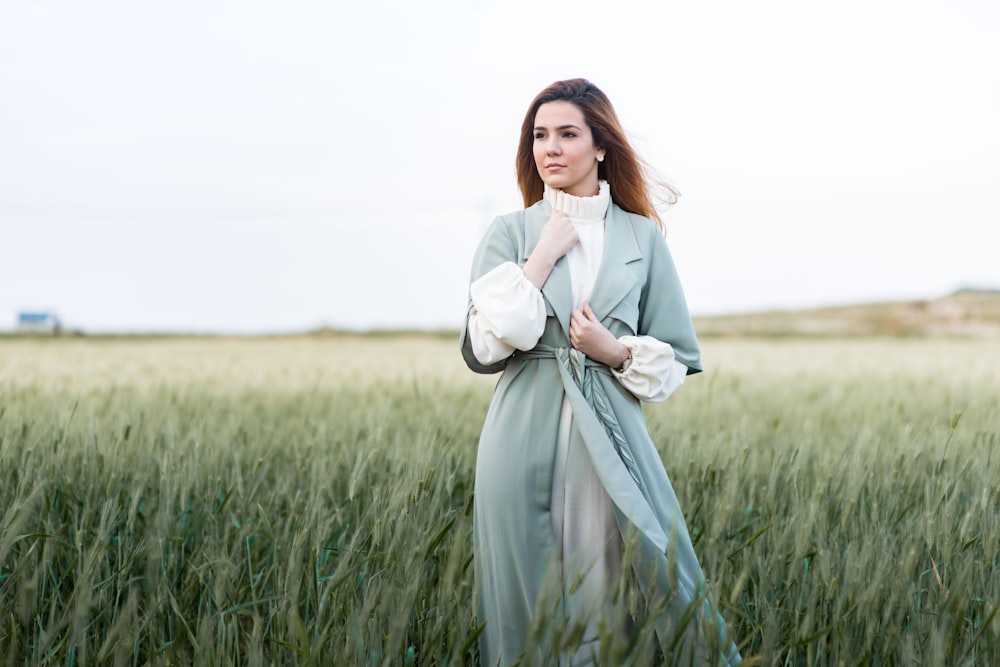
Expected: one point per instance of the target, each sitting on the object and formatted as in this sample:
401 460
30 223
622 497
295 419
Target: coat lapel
615 279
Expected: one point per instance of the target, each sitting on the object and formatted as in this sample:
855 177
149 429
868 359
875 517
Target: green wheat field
306 501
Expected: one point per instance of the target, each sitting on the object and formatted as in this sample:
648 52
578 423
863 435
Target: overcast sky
276 166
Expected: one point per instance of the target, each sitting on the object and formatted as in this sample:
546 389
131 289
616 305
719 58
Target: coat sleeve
497 247
663 310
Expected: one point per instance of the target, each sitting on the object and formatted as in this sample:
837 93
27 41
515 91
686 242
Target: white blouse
509 311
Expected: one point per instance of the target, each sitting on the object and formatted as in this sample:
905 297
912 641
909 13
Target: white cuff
653 374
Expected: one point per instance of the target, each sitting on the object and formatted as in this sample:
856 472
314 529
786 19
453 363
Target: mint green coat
637 292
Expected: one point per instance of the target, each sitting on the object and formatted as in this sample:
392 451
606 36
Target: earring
600 157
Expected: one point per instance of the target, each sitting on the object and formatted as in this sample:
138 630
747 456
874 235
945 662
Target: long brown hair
629 177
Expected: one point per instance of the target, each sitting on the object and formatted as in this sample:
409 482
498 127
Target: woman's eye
569 134
539 135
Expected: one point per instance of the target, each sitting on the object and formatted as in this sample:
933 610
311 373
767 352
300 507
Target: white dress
510 315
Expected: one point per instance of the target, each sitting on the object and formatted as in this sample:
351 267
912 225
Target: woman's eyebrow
561 127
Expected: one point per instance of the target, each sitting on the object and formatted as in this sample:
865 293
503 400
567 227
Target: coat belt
578 368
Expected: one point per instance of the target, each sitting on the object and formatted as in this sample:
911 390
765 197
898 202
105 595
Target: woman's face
565 155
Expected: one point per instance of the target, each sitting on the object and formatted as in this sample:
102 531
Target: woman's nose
552 147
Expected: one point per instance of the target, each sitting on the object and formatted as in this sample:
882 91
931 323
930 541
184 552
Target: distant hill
966 312
972 313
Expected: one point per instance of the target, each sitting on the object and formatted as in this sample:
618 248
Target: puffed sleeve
653 373
498 246
508 313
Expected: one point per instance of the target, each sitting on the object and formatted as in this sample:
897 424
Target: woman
577 301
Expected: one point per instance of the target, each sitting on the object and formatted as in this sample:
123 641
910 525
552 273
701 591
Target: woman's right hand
557 237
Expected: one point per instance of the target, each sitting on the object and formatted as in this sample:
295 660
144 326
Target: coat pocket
627 313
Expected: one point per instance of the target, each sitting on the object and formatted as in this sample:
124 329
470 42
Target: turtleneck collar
581 209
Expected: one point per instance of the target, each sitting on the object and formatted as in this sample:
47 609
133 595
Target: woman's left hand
590 336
